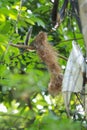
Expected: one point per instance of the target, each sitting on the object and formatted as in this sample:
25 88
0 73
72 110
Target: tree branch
29 48
26 47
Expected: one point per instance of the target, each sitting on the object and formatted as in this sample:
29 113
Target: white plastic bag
73 76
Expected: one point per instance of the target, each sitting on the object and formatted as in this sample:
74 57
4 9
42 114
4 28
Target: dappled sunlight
3 108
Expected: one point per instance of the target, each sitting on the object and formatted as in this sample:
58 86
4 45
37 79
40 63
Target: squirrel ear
42 35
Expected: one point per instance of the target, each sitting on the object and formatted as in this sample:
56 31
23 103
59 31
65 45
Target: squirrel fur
49 56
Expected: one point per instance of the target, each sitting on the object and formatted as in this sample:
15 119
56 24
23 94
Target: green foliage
24 101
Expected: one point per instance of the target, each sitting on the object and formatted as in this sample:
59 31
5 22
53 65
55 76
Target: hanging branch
62 10
58 16
28 36
55 12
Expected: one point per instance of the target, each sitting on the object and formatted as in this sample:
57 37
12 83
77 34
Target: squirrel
49 56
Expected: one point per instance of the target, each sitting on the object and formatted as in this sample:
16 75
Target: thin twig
62 57
71 39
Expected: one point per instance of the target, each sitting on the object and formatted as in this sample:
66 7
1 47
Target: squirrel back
49 55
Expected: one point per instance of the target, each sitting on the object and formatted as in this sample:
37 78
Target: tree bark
83 17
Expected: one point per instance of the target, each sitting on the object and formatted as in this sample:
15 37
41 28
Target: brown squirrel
48 55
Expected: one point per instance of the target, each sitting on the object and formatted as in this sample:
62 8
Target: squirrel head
41 36
40 39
